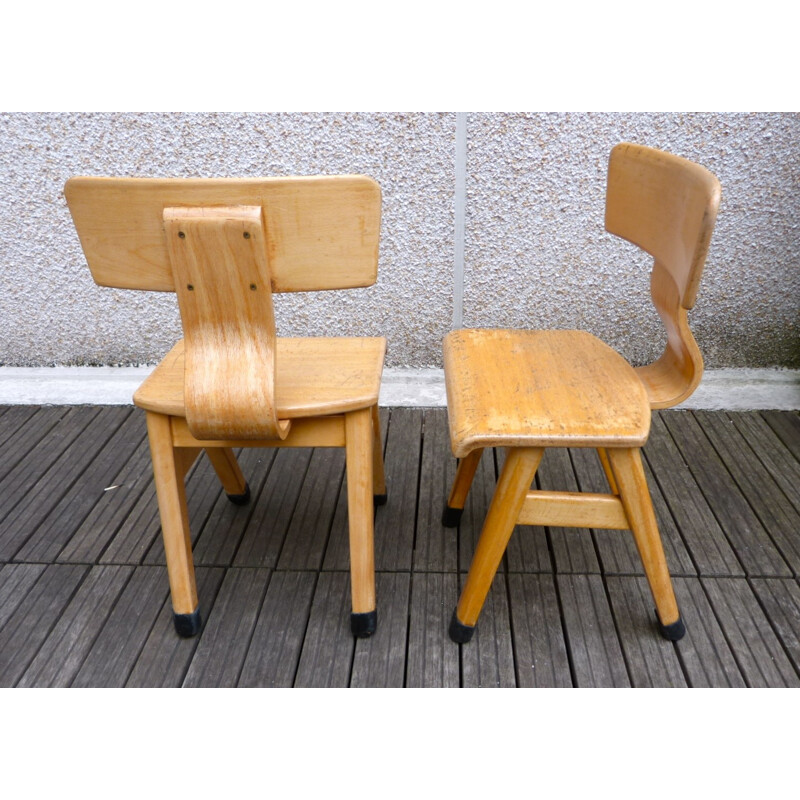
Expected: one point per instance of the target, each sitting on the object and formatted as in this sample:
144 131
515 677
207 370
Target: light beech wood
515 479
573 510
313 377
527 390
225 246
635 496
171 492
323 231
360 439
465 473
227 468
311 432
219 262
515 388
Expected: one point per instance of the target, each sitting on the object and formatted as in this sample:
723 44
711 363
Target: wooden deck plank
118 645
380 661
594 649
705 540
21 427
111 510
758 650
436 547
16 581
780 519
705 653
165 657
277 641
488 660
61 656
780 599
395 522
39 480
787 427
327 656
273 508
222 531
55 530
774 447
652 660
307 538
538 635
222 650
28 627
433 660
752 544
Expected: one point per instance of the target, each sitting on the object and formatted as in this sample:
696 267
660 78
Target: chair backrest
224 246
667 206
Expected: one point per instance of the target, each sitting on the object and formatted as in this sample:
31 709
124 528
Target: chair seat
313 377
547 388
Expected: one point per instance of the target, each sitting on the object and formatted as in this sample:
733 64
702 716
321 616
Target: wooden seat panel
314 376
518 388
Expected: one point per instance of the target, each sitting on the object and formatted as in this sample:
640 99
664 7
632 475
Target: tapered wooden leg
601 451
229 473
461 485
635 496
168 471
359 438
514 482
378 475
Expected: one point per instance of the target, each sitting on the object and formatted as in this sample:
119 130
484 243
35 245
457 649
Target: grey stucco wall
535 250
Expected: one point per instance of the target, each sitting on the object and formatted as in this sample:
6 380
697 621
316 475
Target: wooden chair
530 390
224 246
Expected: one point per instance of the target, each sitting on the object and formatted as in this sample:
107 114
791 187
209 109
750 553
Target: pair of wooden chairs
224 246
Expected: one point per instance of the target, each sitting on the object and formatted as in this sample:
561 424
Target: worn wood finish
224 246
107 621
567 389
509 388
323 231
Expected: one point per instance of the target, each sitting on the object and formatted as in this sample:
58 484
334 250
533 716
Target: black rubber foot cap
451 516
672 632
188 625
379 499
364 625
459 632
241 499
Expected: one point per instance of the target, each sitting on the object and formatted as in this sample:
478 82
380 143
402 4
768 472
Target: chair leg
378 475
465 473
612 483
359 438
229 473
168 471
635 496
512 486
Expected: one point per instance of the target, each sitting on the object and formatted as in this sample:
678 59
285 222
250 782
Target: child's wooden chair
224 246
529 390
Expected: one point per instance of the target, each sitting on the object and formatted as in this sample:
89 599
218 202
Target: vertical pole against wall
460 215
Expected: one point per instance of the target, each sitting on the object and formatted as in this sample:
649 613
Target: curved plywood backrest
322 232
667 206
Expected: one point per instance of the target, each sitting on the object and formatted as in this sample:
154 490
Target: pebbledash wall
490 219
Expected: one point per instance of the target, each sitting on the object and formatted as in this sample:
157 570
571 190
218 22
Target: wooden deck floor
84 595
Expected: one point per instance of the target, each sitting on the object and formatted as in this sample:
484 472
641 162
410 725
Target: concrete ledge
724 389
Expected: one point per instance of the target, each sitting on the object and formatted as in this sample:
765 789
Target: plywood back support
322 232
666 205
222 279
